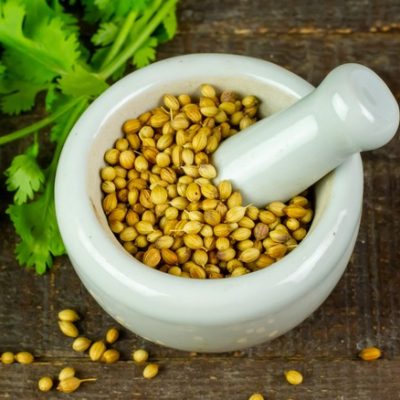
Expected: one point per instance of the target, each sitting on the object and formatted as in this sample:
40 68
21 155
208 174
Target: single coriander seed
140 356
112 335
7 357
65 373
256 396
24 357
81 344
68 329
96 350
370 353
45 384
68 315
294 377
150 371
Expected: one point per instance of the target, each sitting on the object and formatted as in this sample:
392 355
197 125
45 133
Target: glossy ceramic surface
194 315
351 111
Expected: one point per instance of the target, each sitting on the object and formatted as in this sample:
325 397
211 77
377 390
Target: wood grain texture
204 378
309 38
289 16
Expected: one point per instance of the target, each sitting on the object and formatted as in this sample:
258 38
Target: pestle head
278 157
364 103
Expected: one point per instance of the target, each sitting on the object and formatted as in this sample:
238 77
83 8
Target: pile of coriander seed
162 205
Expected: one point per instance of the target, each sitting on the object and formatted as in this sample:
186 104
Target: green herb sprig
42 52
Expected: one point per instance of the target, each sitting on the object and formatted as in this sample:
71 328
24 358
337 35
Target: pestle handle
278 157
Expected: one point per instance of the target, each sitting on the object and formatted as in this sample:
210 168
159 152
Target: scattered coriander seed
96 350
68 315
65 373
112 335
24 357
71 384
81 344
7 357
110 356
370 353
45 384
150 371
140 356
294 377
68 329
256 396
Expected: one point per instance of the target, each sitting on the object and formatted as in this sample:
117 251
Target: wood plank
204 378
311 56
265 16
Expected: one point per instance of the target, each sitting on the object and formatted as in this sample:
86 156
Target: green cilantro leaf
46 44
106 10
106 34
146 53
24 175
51 97
17 96
40 52
37 49
170 24
12 15
36 224
57 129
81 82
70 21
20 67
110 9
98 56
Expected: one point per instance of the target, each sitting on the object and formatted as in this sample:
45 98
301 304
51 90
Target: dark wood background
309 38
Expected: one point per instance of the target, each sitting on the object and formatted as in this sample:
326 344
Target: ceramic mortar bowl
188 314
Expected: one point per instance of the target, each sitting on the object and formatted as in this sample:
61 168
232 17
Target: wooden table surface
309 38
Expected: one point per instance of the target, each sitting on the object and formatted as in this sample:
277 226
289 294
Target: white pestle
278 157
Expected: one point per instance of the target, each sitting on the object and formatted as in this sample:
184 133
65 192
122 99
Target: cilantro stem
80 104
128 51
28 130
143 20
121 38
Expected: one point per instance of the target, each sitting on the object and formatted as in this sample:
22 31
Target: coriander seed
81 344
256 396
7 357
68 315
294 377
140 356
161 203
150 371
370 353
110 356
45 384
65 373
72 384
96 350
24 357
112 335
68 329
